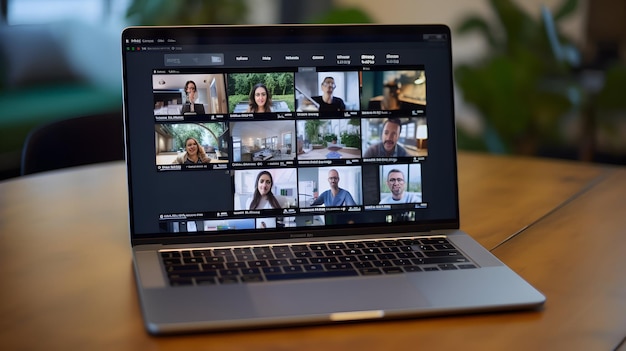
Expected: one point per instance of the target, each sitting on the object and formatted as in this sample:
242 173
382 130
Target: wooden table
67 280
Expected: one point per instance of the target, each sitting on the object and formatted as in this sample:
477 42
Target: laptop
296 174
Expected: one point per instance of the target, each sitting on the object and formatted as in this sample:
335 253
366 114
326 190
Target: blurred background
535 77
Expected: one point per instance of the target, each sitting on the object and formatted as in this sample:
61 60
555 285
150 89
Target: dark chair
74 142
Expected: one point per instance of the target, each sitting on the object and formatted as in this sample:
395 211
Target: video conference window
266 223
393 90
261 189
394 137
189 94
241 224
255 141
260 92
349 218
400 184
330 186
327 91
303 221
321 139
191 143
228 224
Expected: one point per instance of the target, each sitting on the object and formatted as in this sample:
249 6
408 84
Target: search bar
194 59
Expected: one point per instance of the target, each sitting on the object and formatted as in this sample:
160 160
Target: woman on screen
263 197
190 106
194 153
260 99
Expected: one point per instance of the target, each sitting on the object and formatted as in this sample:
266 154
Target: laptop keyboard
313 260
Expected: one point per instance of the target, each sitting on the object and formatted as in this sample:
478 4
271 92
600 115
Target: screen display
235 132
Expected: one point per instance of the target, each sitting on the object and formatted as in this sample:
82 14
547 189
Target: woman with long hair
194 153
263 197
191 94
260 99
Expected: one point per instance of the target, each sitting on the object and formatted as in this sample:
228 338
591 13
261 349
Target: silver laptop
287 174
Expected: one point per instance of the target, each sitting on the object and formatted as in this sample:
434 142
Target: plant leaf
344 15
567 8
520 28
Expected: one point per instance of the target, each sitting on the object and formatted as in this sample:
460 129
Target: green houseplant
167 12
312 131
520 87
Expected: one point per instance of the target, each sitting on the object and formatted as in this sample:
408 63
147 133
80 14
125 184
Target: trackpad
321 296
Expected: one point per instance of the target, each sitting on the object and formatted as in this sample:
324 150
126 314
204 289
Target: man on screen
327 101
388 146
396 184
335 196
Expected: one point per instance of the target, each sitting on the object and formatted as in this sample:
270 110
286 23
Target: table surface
68 282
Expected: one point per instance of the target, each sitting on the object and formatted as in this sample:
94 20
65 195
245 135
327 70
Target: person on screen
397 184
263 198
388 100
335 196
190 105
260 99
194 153
327 101
388 146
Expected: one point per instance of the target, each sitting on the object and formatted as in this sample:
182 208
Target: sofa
51 72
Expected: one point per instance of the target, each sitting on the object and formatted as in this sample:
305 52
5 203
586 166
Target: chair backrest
74 142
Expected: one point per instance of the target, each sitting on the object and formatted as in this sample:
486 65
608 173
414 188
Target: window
410 130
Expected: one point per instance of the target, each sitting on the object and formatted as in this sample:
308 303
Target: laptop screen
279 131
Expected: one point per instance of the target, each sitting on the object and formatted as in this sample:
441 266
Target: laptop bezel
230 33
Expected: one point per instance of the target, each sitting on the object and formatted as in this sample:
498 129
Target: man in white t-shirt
396 184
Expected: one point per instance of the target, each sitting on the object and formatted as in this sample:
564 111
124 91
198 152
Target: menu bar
295 59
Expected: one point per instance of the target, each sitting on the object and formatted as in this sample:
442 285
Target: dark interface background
228 139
